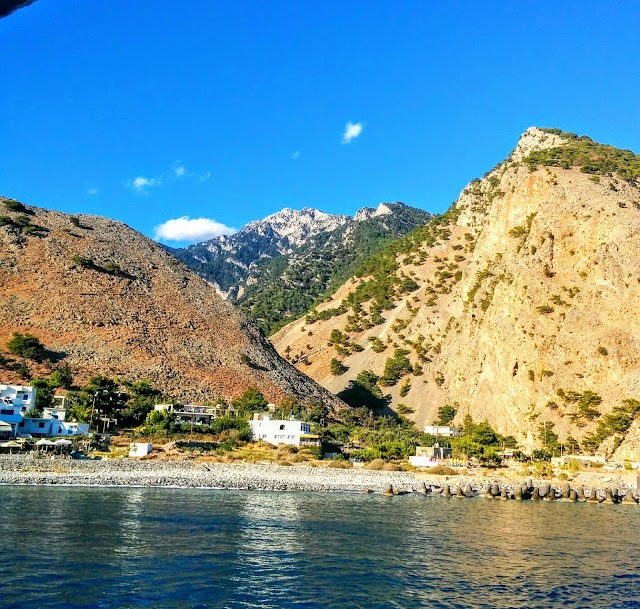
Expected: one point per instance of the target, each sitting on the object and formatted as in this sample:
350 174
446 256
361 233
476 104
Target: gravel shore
17 469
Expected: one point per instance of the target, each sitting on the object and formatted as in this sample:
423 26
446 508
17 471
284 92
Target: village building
16 401
442 430
195 414
282 431
430 456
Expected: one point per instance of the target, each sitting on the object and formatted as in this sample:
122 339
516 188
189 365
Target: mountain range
277 267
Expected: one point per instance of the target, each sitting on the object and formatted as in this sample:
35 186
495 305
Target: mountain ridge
515 306
265 265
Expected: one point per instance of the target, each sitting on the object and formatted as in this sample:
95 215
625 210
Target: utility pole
93 407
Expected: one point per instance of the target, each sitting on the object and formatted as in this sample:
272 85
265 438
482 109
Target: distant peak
383 209
537 138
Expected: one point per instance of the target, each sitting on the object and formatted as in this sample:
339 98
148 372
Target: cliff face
113 302
526 310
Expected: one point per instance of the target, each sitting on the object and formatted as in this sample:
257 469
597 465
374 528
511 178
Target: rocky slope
521 305
108 300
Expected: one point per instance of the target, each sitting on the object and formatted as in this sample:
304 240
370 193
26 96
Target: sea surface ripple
113 548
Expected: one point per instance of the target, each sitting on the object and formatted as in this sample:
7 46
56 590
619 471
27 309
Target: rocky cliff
521 305
108 300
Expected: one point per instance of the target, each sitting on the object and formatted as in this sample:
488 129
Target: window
21 424
41 425
282 427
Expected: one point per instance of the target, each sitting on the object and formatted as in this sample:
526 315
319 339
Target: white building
18 395
442 430
195 414
16 400
48 428
281 431
430 456
140 449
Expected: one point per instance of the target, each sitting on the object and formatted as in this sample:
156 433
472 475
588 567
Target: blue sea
164 548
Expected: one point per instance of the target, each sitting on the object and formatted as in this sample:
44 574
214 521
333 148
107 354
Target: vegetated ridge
520 305
105 299
276 268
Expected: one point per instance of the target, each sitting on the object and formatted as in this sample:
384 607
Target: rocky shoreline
21 470
27 470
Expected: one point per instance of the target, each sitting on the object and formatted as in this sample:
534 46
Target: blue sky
229 111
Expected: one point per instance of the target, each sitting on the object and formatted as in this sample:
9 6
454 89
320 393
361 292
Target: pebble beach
17 469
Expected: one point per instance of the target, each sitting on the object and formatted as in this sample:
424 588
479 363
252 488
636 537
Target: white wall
279 431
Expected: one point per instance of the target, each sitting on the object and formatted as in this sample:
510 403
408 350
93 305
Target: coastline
21 470
16 470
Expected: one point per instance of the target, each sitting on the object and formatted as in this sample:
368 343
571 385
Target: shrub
405 388
375 465
84 261
403 409
603 351
545 309
74 220
337 367
442 470
26 345
14 205
340 464
390 467
23 371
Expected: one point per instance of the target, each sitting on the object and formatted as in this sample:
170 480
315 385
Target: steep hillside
106 299
281 289
520 305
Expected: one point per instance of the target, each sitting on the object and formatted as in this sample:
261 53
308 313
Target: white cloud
179 170
205 176
92 191
351 131
141 183
191 229
296 155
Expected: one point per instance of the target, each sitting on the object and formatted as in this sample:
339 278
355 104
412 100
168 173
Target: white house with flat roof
442 430
16 400
48 428
282 431
20 396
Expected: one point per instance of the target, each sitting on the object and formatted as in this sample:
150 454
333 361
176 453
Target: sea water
165 548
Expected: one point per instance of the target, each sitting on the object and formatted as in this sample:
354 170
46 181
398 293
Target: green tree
143 398
337 367
396 367
61 377
44 394
26 345
252 400
446 414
